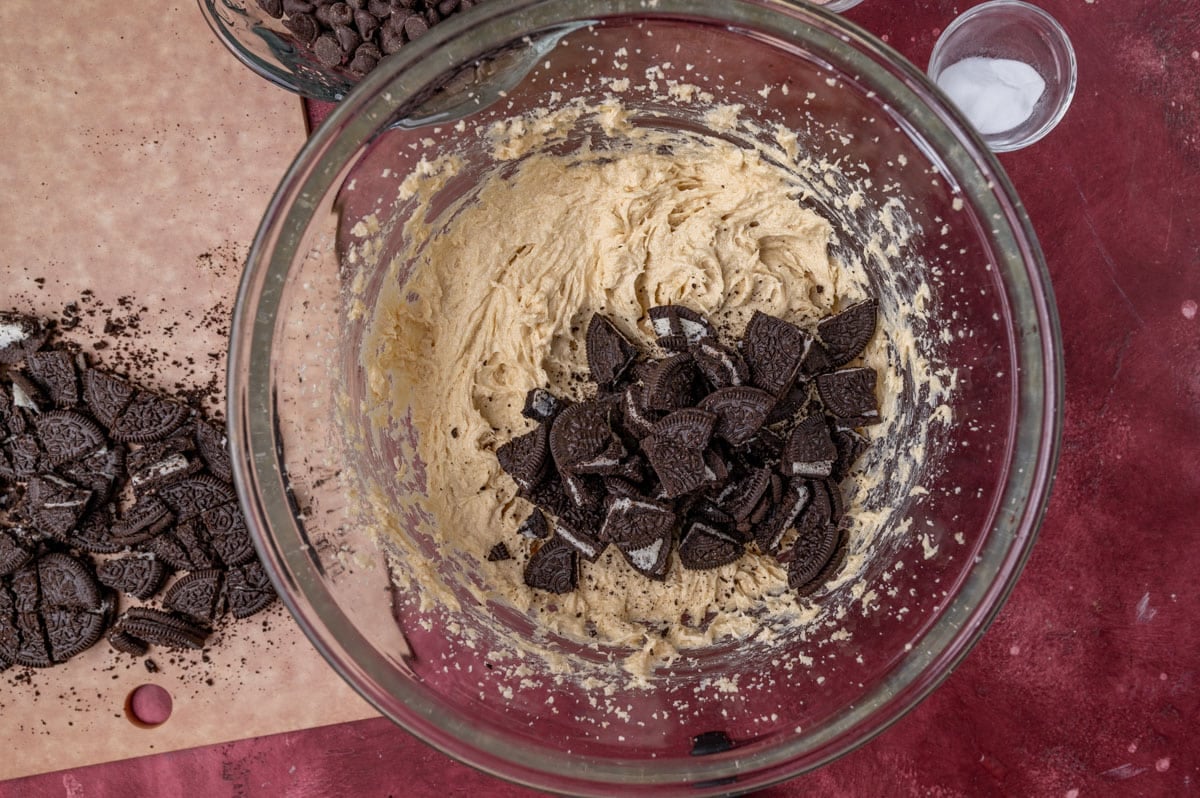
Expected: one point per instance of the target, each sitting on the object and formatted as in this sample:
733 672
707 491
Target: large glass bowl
302 453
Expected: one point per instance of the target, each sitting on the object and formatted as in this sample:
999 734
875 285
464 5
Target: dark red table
1088 684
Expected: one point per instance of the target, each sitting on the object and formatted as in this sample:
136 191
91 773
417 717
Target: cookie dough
497 303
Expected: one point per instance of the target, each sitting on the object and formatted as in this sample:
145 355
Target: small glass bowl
1013 30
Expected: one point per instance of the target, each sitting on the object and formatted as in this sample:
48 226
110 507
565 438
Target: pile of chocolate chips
708 449
356 34
107 489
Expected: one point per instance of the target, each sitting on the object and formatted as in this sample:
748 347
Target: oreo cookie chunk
542 406
198 596
720 366
829 571
526 457
850 446
143 521
55 505
106 395
846 334
849 396
706 546
678 327
20 336
498 553
190 497
609 353
773 349
553 567
740 412
154 464
582 438
214 450
94 533
160 628
690 427
680 469
54 371
102 471
15 550
66 435
671 384
228 536
248 589
810 451
535 527
148 417
786 509
137 576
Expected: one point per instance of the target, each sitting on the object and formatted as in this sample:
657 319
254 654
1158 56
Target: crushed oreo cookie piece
849 396
134 575
198 596
91 464
160 628
535 527
708 450
553 567
609 352
498 553
846 334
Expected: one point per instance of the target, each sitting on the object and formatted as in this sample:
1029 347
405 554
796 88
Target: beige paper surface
138 156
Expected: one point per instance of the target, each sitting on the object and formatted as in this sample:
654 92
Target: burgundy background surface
1089 681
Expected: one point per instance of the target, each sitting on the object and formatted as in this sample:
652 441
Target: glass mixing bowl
968 515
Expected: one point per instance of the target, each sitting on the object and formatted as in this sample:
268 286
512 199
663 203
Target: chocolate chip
327 50
66 435
535 527
248 589
366 57
553 567
415 27
740 412
137 576
847 333
294 7
526 458
773 349
366 24
810 451
498 553
609 353
54 371
304 27
106 395
198 596
704 547
390 39
849 395
20 336
671 384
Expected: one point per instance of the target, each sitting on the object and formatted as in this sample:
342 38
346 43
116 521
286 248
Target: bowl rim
261 488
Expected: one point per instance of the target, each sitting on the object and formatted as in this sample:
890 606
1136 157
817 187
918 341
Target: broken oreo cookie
707 451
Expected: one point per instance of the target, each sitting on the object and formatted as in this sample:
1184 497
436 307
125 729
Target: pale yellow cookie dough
497 304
